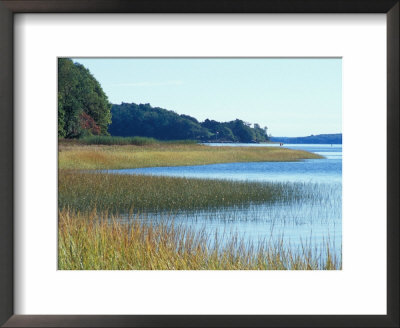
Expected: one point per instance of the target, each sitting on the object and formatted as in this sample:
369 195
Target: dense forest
84 110
147 121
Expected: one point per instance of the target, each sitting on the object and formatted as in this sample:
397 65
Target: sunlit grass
76 156
122 193
89 243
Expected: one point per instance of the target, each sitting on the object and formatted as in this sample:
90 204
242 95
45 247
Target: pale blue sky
292 97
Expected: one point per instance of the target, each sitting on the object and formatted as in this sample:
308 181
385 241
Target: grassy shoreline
92 157
88 242
103 226
85 243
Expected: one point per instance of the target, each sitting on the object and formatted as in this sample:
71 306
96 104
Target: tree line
147 121
84 110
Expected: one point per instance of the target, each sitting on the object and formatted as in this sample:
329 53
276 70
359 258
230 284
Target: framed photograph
201 163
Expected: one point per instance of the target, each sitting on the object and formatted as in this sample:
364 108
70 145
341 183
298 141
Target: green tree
242 131
80 100
147 121
61 116
260 133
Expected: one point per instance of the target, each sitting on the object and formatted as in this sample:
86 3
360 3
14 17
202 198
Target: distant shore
234 142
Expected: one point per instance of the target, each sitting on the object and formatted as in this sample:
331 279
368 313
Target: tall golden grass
87 243
75 156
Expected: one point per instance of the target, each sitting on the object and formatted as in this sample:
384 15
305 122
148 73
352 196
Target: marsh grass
111 140
89 243
73 155
108 140
123 193
105 219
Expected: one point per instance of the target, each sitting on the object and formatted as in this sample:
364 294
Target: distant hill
313 139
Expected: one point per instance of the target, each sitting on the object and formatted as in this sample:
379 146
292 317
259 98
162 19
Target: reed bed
111 140
123 193
87 242
78 156
108 140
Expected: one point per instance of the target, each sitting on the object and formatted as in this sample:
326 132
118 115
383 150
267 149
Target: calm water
327 170
315 219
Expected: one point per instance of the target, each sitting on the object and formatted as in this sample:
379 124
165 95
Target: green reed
121 193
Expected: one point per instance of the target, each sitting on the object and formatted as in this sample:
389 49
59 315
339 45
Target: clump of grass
149 154
121 193
87 243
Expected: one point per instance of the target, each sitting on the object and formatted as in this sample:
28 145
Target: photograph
199 163
193 173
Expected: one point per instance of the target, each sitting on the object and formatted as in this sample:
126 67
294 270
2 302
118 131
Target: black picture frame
10 7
